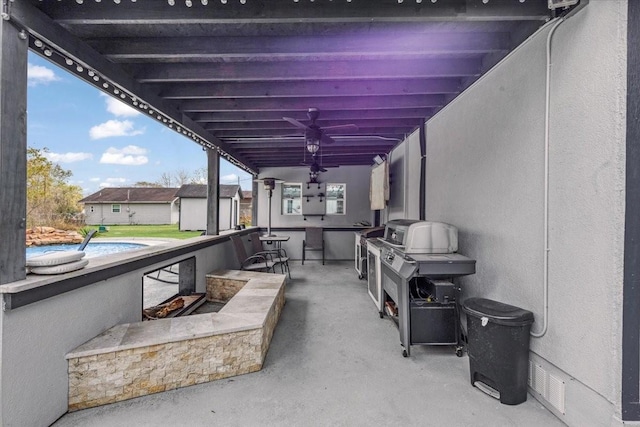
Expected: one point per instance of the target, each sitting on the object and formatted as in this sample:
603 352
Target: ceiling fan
315 134
314 171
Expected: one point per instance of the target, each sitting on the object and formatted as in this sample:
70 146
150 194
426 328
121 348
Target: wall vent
556 393
549 387
539 379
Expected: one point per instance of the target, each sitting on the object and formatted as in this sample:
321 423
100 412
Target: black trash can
498 348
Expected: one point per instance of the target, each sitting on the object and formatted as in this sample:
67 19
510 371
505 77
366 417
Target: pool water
92 250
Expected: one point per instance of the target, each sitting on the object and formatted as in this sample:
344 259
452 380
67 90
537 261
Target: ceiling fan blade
295 123
340 128
326 139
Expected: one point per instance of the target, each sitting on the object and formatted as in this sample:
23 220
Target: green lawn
145 231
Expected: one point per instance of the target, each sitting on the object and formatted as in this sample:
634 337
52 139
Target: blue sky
102 141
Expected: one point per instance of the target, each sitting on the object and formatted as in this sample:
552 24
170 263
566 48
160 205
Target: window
291 199
115 208
336 199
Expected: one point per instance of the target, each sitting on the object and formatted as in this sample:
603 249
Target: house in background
193 207
246 208
131 205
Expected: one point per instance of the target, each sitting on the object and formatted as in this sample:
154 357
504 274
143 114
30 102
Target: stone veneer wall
222 289
114 376
271 322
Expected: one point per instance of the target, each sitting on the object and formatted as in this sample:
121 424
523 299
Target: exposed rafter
226 73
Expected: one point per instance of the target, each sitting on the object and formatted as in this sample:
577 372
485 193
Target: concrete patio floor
332 361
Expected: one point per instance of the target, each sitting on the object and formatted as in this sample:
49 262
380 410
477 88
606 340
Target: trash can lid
497 312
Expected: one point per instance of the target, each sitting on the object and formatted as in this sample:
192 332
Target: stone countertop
247 310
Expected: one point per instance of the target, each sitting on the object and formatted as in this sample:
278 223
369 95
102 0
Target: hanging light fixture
313 145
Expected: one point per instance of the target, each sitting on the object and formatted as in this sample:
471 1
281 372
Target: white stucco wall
339 245
485 174
357 179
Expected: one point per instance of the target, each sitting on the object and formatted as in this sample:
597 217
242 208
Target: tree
182 177
175 179
200 176
50 199
165 180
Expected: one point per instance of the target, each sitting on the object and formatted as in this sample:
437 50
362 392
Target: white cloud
37 74
94 179
68 157
130 155
114 128
117 180
231 178
119 108
113 182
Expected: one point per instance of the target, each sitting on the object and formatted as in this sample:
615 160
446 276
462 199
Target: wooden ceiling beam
307 70
360 87
277 11
275 156
282 125
243 147
301 115
169 49
343 161
303 103
394 131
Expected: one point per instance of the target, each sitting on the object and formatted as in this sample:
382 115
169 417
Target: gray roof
199 191
132 194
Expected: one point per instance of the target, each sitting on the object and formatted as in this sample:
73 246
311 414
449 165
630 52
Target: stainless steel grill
406 262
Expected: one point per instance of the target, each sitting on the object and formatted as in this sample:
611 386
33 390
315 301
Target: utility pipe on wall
545 268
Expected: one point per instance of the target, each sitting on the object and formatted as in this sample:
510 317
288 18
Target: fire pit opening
170 292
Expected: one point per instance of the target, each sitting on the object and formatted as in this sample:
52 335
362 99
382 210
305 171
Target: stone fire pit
136 359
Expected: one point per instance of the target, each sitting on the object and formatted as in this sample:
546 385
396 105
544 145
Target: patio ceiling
225 73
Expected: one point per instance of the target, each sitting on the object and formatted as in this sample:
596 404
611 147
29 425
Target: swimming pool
92 250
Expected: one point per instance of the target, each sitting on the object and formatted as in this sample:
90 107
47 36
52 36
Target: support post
13 149
187 277
423 172
631 282
213 192
254 203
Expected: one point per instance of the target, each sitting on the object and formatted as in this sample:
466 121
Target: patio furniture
313 241
278 255
256 262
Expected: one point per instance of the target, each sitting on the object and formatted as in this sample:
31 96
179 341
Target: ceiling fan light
313 145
